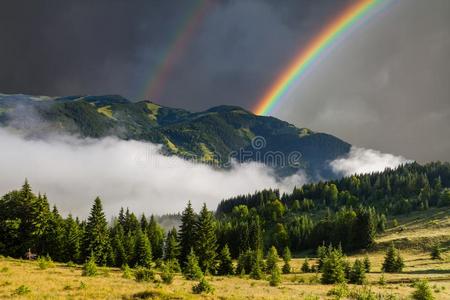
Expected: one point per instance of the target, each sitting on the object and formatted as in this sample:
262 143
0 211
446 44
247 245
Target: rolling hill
212 136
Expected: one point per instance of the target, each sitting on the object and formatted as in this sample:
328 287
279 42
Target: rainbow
312 52
175 49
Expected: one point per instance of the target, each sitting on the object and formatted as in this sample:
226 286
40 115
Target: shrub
365 294
174 265
90 267
144 274
275 276
45 262
127 273
202 287
436 252
339 291
423 291
382 280
167 274
71 264
4 270
22 290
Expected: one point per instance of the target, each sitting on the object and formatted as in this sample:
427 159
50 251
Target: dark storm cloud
386 87
104 47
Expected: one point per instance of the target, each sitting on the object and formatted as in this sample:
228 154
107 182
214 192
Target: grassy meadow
413 236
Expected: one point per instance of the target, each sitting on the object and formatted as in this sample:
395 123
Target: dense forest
347 212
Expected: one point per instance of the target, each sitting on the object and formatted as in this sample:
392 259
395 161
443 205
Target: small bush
22 290
167 274
83 285
382 280
45 262
90 267
144 274
339 291
202 287
423 291
4 270
71 264
127 273
364 294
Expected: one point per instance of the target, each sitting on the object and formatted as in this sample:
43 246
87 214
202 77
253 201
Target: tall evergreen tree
72 240
225 262
205 237
96 236
172 247
272 259
143 255
186 234
287 259
156 236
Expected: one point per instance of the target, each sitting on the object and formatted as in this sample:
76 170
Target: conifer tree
156 236
205 237
367 263
287 259
72 240
225 262
96 236
272 259
393 262
186 234
143 255
256 265
436 252
192 270
275 276
172 248
333 267
305 266
358 273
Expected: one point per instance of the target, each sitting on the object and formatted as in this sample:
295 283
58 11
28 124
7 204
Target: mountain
211 136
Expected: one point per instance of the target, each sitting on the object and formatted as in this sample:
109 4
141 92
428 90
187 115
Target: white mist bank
361 160
73 171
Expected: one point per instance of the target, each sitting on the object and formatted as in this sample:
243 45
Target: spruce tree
367 263
305 266
143 255
393 262
96 236
275 276
436 252
192 270
225 262
287 259
156 237
358 273
186 234
72 240
172 248
333 267
272 259
256 265
205 237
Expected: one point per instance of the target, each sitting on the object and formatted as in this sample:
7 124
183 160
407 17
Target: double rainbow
312 52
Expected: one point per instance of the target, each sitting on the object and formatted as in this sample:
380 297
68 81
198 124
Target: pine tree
156 237
367 263
205 236
272 259
172 248
333 267
275 276
393 262
192 270
143 254
72 240
225 262
256 262
287 259
358 273
305 266
96 237
186 234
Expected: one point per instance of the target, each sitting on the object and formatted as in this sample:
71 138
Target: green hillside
211 136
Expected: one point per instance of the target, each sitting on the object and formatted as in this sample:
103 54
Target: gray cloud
387 86
131 174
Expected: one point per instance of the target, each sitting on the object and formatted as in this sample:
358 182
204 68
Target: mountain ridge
215 136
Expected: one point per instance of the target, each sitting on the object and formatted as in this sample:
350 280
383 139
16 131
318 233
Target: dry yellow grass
63 282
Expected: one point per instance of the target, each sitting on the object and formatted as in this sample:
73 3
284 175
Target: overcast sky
385 87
